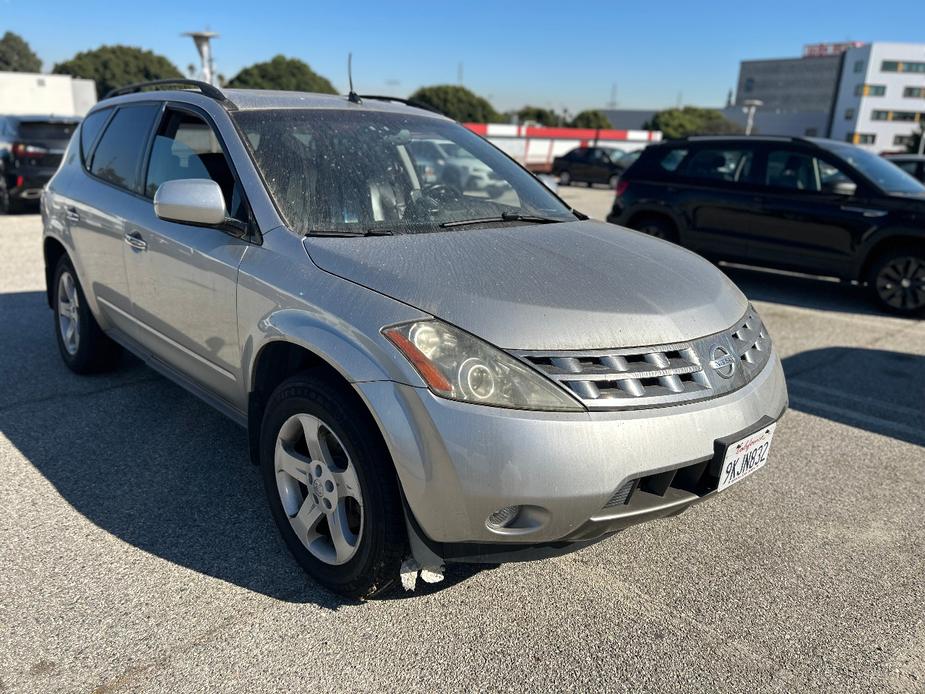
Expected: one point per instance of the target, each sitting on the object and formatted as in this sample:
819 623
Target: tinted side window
577 155
724 164
118 155
89 129
907 166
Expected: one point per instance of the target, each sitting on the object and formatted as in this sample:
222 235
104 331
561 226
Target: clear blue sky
550 54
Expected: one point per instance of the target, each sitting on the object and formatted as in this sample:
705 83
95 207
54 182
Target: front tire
897 280
657 227
83 345
332 487
565 178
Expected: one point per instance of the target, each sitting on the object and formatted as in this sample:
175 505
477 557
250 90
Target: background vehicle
448 163
30 152
278 255
591 165
912 164
810 205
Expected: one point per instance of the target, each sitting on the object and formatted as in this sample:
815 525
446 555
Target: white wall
26 93
873 56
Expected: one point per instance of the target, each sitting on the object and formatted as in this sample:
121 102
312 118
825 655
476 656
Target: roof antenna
352 96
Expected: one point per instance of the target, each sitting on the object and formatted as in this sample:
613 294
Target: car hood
571 285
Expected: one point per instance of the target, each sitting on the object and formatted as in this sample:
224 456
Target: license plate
745 456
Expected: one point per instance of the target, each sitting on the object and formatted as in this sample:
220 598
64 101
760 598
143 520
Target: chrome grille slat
660 375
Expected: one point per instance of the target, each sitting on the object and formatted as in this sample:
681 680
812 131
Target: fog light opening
503 517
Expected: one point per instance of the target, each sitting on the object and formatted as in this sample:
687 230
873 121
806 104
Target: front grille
660 375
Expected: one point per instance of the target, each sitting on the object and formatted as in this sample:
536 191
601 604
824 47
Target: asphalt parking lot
138 554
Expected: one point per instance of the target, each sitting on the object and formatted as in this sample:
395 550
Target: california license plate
745 456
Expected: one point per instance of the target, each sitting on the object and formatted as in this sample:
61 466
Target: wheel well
53 250
276 362
637 219
886 246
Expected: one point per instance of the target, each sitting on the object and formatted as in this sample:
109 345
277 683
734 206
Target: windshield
885 174
345 171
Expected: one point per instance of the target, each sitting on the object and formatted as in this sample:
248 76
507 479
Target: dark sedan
593 165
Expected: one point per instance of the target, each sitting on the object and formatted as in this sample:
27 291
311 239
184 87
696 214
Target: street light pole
203 39
751 105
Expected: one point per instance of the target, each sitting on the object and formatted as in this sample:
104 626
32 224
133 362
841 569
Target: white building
27 93
881 96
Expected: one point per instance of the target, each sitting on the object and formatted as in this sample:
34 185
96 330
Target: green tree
16 56
289 74
457 103
591 119
543 116
681 122
116 66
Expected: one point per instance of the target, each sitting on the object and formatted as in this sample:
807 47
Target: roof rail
205 88
406 102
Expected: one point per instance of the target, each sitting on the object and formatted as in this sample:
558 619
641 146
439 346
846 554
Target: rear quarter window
89 130
671 159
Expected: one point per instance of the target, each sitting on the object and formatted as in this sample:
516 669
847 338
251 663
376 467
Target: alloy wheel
68 312
901 283
319 489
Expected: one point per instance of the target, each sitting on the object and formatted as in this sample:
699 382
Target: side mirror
191 200
846 188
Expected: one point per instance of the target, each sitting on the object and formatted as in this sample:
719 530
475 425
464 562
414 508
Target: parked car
30 152
912 164
426 376
448 163
804 204
591 165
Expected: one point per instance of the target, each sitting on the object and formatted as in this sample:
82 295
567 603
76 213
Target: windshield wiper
344 232
503 217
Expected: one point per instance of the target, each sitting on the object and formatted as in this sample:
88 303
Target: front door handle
71 214
866 211
135 241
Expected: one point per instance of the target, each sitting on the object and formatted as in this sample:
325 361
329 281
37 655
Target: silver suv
427 373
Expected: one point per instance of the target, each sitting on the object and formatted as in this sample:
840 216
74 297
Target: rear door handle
135 241
71 214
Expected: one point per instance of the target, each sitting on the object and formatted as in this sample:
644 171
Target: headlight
459 366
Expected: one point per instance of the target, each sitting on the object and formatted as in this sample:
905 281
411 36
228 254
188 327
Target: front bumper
458 463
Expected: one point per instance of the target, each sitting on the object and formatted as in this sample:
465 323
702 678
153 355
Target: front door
813 213
183 278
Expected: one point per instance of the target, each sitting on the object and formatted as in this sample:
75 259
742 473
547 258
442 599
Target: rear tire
897 281
658 227
83 345
332 486
614 180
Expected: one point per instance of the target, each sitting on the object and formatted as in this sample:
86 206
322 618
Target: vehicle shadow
143 460
873 389
801 290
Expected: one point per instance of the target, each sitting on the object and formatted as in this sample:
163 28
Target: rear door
716 195
100 202
183 278
810 220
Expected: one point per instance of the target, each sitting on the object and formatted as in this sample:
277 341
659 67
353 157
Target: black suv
803 204
30 151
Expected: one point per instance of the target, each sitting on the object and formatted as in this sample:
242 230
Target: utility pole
203 39
751 105
459 73
613 96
